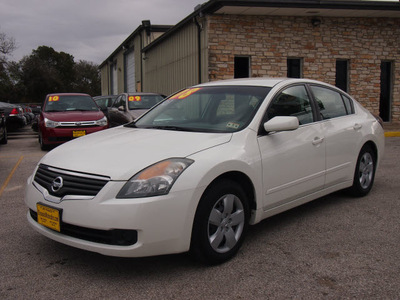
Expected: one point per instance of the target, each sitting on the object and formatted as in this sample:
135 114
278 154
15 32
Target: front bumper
158 225
62 135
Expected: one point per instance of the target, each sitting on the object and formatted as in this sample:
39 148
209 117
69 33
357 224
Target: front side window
330 102
206 109
293 101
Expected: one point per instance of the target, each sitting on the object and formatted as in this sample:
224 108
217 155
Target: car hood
74 116
121 152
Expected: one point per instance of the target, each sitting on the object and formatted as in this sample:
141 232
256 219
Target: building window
242 67
385 101
342 74
294 67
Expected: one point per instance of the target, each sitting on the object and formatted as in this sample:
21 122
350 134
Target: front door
293 161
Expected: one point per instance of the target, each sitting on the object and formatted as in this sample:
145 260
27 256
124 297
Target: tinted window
120 101
348 104
208 109
59 103
293 101
330 102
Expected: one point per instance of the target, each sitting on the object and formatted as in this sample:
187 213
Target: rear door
342 133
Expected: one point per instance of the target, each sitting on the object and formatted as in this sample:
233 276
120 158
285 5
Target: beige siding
105 79
173 64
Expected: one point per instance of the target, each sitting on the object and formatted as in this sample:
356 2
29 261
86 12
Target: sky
89 30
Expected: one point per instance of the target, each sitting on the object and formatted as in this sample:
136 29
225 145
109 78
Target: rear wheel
220 223
364 174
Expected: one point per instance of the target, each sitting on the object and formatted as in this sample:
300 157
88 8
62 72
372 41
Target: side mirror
281 123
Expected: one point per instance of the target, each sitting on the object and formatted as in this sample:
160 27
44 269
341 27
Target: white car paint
286 168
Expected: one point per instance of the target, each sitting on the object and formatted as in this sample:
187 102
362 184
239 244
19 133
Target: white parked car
197 169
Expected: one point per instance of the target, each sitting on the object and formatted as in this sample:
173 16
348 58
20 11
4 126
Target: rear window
62 103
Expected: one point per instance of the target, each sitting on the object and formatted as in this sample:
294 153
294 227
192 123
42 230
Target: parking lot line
10 175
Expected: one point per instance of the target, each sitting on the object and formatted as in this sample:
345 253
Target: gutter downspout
199 30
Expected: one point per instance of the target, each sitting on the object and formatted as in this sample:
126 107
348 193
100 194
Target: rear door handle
357 126
317 140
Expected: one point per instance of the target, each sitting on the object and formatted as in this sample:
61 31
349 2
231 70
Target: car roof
259 81
141 94
68 94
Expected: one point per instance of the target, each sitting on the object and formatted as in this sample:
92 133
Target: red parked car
67 116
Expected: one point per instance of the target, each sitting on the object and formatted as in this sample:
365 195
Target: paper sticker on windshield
185 93
233 125
54 98
135 98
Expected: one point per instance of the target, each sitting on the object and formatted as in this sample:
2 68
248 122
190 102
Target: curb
392 134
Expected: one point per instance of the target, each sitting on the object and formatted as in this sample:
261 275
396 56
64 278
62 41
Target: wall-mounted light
315 22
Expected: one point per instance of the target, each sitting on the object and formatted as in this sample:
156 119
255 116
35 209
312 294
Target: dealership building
354 45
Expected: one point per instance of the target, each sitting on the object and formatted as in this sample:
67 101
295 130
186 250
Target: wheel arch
241 179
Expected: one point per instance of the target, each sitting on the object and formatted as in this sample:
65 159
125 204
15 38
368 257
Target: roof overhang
311 8
361 8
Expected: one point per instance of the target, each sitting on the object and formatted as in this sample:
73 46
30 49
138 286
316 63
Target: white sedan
192 173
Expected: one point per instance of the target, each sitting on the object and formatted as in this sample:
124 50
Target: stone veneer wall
269 41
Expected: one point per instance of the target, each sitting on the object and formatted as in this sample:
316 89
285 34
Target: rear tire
364 174
220 223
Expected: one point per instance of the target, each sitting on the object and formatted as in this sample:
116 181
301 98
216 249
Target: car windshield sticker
185 93
233 125
54 98
135 98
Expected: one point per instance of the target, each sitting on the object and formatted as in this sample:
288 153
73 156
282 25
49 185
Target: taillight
14 112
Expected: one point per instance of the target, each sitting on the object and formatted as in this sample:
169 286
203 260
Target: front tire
220 223
364 174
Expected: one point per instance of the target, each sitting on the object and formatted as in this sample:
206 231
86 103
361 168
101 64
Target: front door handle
317 141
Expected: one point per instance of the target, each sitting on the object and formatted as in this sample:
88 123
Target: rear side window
330 103
349 105
293 101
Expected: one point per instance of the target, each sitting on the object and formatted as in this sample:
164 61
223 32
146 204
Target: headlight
50 124
155 180
102 122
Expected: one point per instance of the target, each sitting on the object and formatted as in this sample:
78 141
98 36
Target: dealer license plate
78 133
49 216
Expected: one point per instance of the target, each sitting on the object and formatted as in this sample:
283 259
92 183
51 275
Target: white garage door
130 72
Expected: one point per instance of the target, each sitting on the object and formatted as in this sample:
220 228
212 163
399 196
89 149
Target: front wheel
365 172
220 223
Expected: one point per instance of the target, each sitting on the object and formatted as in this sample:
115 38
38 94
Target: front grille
72 183
117 237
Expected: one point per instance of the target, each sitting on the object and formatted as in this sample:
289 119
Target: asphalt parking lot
336 247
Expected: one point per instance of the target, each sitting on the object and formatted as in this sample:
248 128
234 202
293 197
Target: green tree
46 71
7 46
87 78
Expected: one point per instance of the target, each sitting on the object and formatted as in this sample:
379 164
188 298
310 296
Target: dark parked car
14 114
104 102
129 106
67 116
3 128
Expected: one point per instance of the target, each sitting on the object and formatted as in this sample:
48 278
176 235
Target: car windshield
206 109
143 101
70 103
